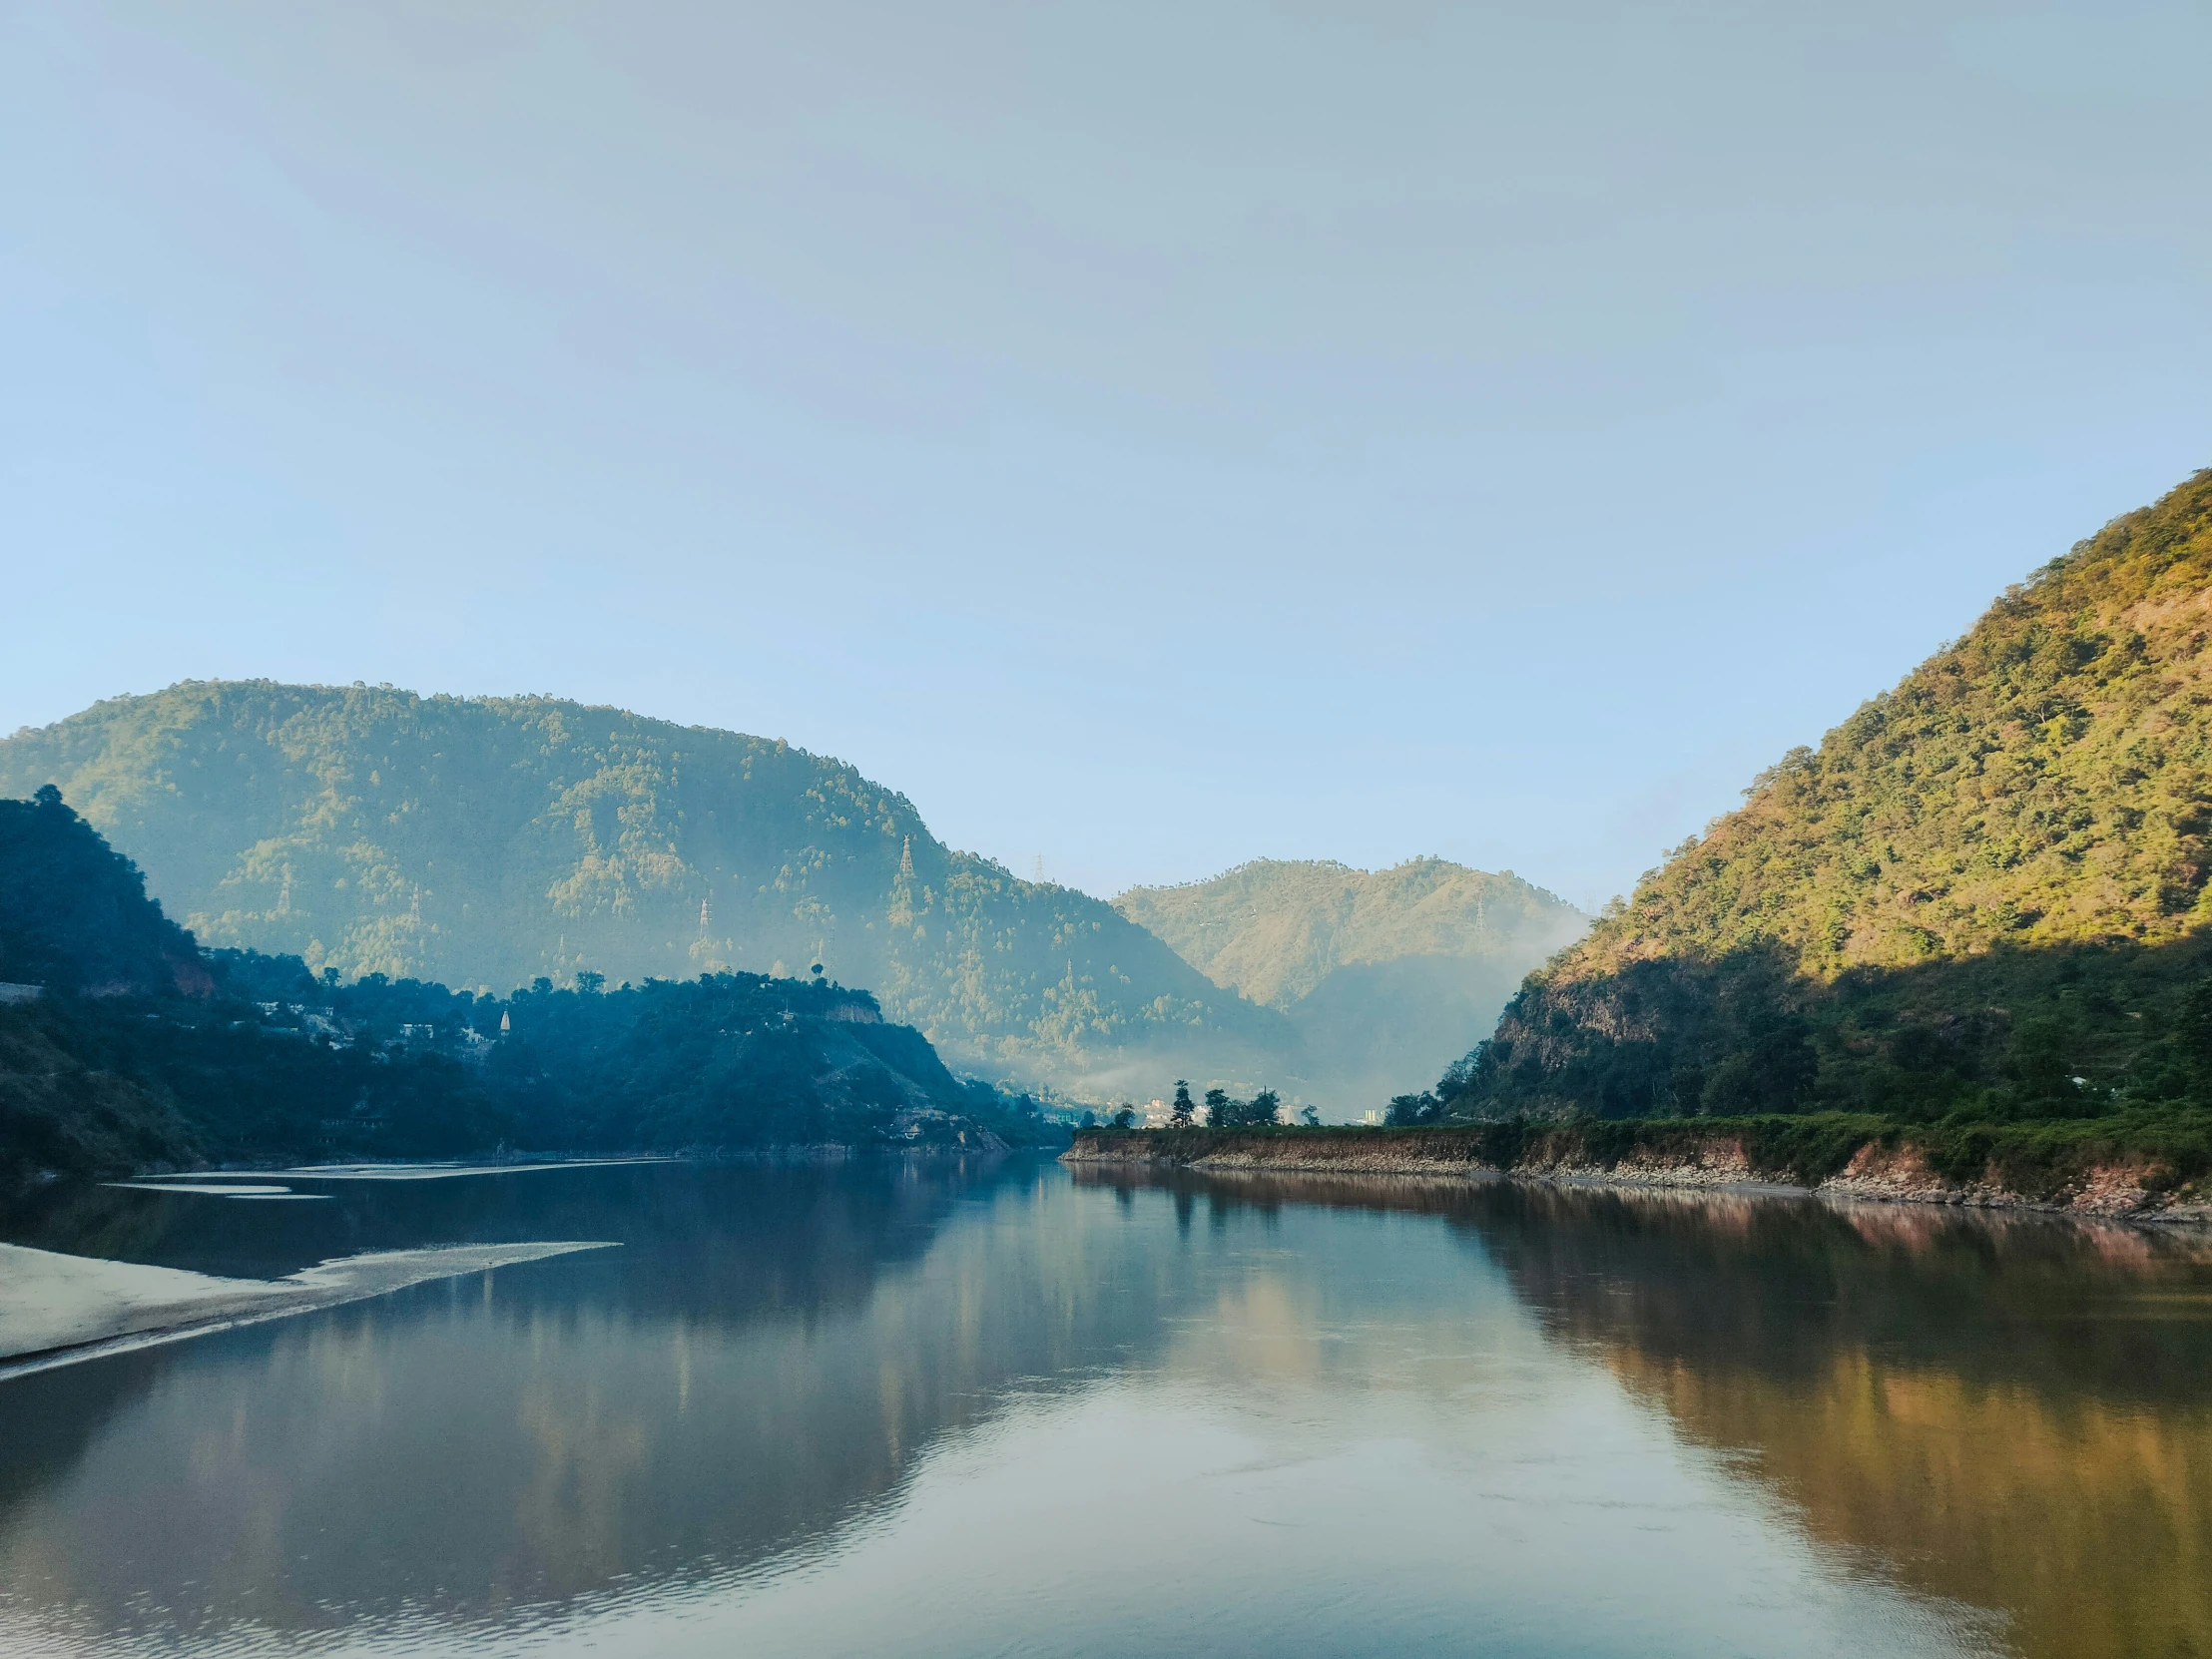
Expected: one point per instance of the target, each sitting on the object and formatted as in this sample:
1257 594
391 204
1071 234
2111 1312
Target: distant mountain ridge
1386 972
1274 930
490 840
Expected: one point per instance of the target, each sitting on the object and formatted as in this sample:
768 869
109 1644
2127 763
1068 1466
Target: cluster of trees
1222 1112
142 1050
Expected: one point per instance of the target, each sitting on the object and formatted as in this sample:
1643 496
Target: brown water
935 1408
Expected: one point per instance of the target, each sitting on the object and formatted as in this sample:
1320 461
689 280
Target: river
938 1407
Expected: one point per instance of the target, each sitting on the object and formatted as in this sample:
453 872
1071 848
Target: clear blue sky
1149 435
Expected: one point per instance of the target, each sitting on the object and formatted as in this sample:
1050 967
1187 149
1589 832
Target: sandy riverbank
56 1309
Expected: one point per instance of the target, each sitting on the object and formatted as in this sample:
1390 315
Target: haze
1150 437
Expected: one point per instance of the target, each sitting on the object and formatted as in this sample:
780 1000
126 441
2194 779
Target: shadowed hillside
74 915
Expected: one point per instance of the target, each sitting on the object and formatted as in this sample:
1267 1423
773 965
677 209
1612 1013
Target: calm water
943 1409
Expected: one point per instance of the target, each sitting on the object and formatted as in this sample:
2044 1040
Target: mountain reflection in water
935 1407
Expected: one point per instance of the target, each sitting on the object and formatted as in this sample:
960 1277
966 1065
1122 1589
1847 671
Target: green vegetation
1255 1113
73 917
1385 972
1980 909
143 1052
483 842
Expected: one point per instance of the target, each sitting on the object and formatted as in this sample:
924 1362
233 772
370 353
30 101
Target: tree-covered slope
1985 890
139 1050
1385 972
74 914
75 926
485 841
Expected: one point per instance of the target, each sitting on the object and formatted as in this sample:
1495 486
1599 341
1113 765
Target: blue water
932 1408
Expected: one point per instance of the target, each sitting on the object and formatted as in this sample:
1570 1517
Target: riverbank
57 1308
2039 1167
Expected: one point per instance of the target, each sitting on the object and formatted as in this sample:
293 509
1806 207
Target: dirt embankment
2133 1187
1651 1156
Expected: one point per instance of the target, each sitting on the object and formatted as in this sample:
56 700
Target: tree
1308 1117
1219 1114
1261 1108
1183 1109
590 984
1126 1118
2193 1031
1407 1109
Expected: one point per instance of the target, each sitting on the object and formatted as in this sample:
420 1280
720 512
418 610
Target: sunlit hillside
1985 890
489 842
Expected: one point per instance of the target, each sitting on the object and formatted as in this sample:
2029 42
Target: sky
1147 436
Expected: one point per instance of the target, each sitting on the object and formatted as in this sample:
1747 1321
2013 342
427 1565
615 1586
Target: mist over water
950 1407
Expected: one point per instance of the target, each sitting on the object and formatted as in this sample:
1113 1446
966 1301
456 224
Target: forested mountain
1385 972
1985 893
486 841
141 1051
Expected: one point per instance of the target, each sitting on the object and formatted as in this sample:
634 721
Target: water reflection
957 1409
2011 1410
721 1388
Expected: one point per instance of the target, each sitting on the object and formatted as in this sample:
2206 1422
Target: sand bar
382 1172
56 1309
231 1190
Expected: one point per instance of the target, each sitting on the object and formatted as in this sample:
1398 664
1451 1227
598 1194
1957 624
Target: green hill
139 1051
487 842
1385 972
1982 898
